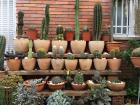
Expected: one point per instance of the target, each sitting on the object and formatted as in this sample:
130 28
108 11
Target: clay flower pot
13 64
59 43
45 44
44 63
116 86
69 36
57 64
85 64
114 64
58 86
28 64
71 64
96 45
86 36
78 86
78 46
32 34
135 61
21 45
39 86
100 64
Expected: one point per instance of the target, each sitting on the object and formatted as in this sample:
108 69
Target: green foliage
97 54
20 23
97 20
30 55
68 29
59 30
79 78
56 80
77 30
136 52
126 56
45 24
115 53
70 56
116 81
58 98
133 44
85 29
41 53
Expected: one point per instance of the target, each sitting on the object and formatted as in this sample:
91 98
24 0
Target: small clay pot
13 64
58 86
86 36
96 45
116 86
57 64
78 86
69 36
71 64
85 64
44 63
100 64
135 61
32 34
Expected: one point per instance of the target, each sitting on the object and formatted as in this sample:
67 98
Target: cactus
30 49
115 53
136 52
59 33
2 50
20 23
78 78
41 53
61 51
77 30
97 20
56 80
97 54
54 51
70 56
45 24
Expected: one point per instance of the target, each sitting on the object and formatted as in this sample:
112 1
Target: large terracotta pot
114 64
78 86
86 36
13 64
58 86
21 45
78 46
44 63
96 45
135 61
106 38
32 34
59 43
85 64
116 86
71 64
45 44
100 64
69 36
57 64
28 64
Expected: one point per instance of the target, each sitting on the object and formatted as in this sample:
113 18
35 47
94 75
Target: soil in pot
100 64
13 64
71 64
44 64
78 86
85 64
86 36
96 46
57 64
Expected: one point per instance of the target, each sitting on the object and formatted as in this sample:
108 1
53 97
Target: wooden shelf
83 93
60 72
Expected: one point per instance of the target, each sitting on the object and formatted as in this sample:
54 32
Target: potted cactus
114 62
69 34
32 33
78 83
60 38
135 57
71 62
96 44
42 60
43 42
84 62
56 83
57 62
100 62
20 43
86 35
29 62
77 45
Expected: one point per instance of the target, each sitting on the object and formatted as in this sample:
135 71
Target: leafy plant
58 98
56 80
41 53
133 44
78 78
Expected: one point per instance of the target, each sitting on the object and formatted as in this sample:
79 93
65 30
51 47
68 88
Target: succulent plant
41 53
85 29
115 53
56 80
30 55
68 29
58 98
35 81
54 51
78 78
97 54
136 52
45 24
97 21
70 56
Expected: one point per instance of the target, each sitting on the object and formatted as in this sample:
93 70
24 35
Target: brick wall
61 13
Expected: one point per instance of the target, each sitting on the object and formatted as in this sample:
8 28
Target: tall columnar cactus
45 24
20 23
59 30
30 49
77 30
2 50
97 20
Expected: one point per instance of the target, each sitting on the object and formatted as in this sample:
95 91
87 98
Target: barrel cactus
59 32
136 52
2 50
97 21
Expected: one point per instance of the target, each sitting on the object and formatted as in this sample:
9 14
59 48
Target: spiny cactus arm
20 23
42 29
30 49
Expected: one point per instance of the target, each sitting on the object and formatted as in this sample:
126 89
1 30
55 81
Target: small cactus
59 30
30 55
115 53
41 53
61 51
78 78
20 23
97 54
70 56
56 80
54 51
136 52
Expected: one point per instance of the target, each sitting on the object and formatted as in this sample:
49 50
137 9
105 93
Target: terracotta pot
116 86
71 64
28 64
100 64
57 64
59 43
39 87
91 84
135 61
78 46
45 44
32 34
69 36
96 45
78 86
56 86
114 64
113 45
21 45
106 38
86 36
85 64
13 64
44 63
